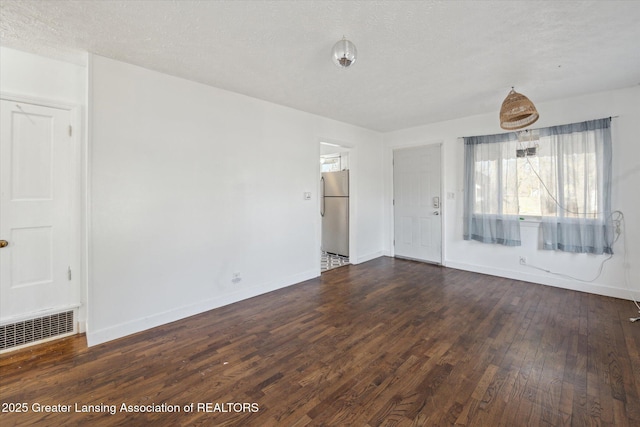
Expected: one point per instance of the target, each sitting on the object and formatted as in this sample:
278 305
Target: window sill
530 221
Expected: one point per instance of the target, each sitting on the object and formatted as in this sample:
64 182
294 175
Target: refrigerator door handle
322 198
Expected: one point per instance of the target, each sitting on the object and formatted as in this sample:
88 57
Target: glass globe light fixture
344 53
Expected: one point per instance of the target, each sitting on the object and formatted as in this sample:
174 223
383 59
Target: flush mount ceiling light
517 111
344 53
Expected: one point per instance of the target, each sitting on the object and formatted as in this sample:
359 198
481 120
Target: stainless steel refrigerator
334 208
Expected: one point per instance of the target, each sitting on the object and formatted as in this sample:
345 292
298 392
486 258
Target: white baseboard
138 325
368 257
558 282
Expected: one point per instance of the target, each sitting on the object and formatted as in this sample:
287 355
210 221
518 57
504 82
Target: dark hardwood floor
388 342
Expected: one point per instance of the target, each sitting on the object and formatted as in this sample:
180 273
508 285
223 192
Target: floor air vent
33 330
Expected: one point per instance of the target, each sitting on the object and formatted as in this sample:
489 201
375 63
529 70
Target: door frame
353 181
392 219
77 259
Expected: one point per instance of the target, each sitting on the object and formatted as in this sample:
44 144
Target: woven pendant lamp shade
517 111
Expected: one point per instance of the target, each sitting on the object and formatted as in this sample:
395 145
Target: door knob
436 213
3 243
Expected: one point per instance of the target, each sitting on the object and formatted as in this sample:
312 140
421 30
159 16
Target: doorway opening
334 206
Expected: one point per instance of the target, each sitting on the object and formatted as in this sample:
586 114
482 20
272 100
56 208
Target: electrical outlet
523 260
236 277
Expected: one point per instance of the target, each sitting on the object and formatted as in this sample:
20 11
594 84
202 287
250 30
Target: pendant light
344 53
517 111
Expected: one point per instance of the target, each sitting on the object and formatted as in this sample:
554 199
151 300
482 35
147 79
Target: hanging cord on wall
618 232
619 223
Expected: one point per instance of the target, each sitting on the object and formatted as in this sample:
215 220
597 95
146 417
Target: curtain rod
515 131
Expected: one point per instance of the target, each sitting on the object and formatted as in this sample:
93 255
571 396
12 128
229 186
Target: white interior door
417 203
36 152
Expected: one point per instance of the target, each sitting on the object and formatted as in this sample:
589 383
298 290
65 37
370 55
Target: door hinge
394 202
69 273
70 130
394 242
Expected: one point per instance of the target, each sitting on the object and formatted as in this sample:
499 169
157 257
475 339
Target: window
334 162
538 181
329 164
529 187
560 174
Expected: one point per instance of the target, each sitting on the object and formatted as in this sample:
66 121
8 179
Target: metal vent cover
34 330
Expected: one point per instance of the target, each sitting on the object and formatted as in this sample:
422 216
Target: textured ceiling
419 61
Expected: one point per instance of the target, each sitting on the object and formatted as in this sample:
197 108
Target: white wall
190 184
504 261
40 79
25 74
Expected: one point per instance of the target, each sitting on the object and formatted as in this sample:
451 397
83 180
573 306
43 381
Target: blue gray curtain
491 192
576 204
